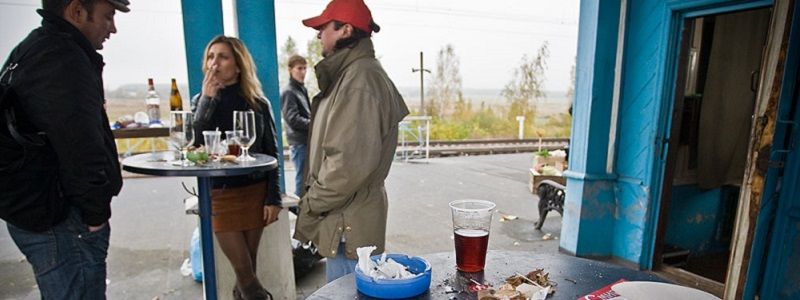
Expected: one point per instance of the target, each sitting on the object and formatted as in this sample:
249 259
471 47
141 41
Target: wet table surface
574 276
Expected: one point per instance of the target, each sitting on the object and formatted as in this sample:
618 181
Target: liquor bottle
152 100
175 101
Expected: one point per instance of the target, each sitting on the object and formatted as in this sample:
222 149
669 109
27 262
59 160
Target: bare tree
444 88
526 88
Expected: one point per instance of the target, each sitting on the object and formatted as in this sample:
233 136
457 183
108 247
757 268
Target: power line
565 36
459 13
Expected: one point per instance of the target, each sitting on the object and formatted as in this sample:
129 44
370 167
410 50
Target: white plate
641 290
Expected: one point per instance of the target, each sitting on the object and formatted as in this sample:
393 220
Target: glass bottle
175 100
152 100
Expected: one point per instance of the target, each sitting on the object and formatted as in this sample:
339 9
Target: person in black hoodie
296 111
57 203
241 205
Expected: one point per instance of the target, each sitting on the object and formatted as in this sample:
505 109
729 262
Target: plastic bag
196 256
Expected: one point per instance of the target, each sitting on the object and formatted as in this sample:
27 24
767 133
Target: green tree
289 48
444 88
526 88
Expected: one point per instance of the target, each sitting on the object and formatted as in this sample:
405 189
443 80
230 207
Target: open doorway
715 100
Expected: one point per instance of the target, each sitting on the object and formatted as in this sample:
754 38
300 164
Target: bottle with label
152 100
175 100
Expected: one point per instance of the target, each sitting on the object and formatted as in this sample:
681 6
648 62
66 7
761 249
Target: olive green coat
351 148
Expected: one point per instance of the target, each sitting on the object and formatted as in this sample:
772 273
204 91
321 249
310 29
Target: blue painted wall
623 206
589 208
638 141
202 21
779 256
695 216
615 214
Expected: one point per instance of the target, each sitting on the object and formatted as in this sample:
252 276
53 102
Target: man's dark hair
357 35
296 60
57 7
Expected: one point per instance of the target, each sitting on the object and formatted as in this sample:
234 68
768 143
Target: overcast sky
489 37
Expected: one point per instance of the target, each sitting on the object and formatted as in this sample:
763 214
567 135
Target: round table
574 276
161 164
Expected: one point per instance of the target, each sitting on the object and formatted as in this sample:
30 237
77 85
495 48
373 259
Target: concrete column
588 222
275 267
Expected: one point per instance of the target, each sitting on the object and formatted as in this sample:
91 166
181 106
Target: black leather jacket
296 111
60 93
207 117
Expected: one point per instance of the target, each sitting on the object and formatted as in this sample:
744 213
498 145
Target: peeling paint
598 197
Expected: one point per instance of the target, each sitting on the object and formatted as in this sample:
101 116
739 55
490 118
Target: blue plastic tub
397 288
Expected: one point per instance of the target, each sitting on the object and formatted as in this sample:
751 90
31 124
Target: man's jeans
69 261
298 155
340 265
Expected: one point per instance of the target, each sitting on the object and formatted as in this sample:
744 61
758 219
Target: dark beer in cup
471 249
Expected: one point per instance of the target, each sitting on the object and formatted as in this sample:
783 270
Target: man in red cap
353 139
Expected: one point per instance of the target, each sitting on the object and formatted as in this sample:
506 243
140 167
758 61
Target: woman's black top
211 114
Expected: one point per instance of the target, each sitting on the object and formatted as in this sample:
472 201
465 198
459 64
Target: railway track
413 150
480 147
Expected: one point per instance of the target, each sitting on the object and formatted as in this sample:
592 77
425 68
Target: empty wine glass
181 133
244 123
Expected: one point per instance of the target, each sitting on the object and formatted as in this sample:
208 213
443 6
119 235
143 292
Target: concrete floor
151 234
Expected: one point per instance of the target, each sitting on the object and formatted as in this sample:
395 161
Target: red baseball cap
353 12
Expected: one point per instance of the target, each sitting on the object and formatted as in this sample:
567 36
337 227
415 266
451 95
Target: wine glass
244 123
181 133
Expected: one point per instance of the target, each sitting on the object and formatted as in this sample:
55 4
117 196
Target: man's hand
271 213
96 228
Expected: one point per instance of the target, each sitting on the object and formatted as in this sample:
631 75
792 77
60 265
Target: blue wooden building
683 153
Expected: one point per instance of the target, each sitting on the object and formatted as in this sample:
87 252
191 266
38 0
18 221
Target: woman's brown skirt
238 209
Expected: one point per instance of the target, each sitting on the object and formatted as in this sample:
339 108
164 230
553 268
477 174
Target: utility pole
421 71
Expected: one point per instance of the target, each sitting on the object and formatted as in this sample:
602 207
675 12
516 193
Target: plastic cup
471 223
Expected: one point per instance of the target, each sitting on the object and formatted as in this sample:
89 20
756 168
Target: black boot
237 295
255 292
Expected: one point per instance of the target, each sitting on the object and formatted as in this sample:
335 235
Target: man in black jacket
296 111
58 203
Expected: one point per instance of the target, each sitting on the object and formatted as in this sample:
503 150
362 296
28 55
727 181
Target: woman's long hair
248 81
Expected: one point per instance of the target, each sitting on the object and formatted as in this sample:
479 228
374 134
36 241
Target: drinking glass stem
245 152
183 154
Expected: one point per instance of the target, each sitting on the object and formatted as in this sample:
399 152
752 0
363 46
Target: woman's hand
271 213
211 84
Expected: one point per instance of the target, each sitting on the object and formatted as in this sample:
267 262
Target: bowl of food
390 288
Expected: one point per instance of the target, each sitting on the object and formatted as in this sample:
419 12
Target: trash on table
536 285
477 286
383 269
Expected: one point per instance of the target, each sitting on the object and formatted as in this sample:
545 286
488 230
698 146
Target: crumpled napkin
383 269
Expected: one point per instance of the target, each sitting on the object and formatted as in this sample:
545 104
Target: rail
437 148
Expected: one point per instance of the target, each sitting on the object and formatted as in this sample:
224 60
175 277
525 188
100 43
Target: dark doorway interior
721 57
